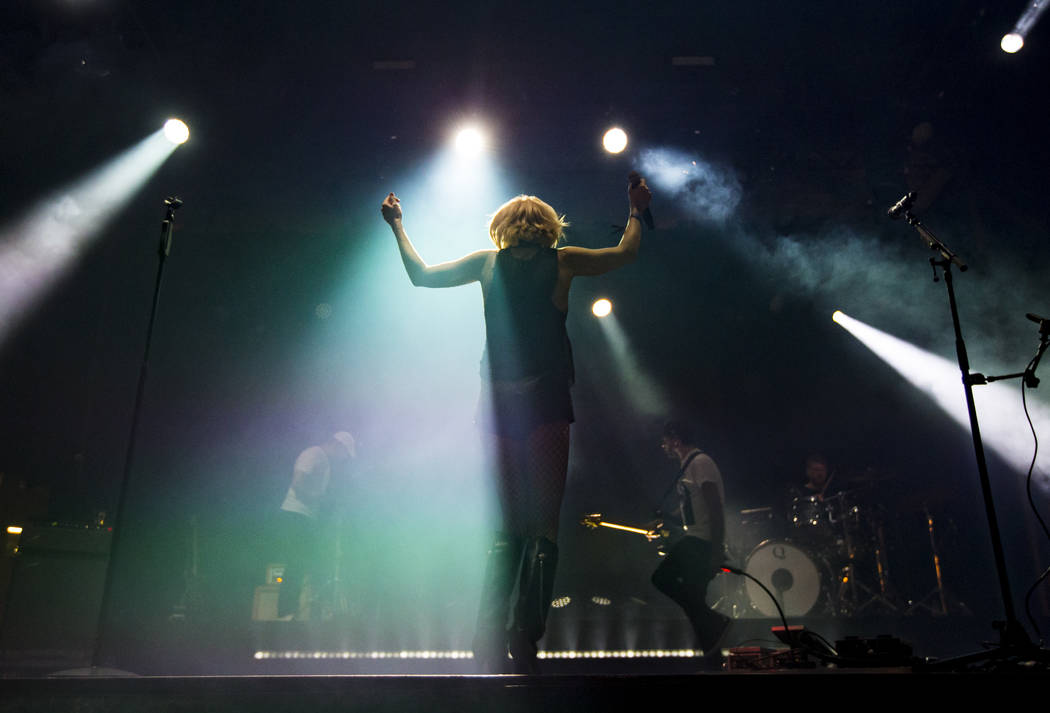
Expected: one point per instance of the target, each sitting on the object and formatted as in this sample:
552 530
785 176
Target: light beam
643 392
37 250
1003 425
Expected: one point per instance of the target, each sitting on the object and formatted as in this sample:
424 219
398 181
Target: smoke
891 285
842 269
707 192
884 279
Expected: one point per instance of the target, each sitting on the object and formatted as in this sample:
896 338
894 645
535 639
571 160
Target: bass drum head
788 572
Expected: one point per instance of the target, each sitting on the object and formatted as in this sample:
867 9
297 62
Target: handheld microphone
635 179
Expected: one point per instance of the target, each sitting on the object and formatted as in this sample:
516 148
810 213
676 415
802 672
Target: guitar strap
688 505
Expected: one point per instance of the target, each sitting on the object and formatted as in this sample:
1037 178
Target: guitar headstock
592 521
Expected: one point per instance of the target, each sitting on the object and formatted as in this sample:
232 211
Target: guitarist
694 501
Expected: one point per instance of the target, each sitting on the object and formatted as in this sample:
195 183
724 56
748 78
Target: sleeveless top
525 333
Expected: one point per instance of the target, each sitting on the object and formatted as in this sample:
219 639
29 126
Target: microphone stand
1014 644
167 228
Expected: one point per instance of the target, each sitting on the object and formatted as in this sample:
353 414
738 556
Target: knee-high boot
535 589
490 636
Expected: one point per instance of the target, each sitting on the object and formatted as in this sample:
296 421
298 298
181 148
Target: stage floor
460 694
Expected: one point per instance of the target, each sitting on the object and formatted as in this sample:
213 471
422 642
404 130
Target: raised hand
639 195
391 208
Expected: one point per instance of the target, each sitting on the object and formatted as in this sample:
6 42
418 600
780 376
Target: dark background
819 115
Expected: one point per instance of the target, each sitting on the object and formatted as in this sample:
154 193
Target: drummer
819 479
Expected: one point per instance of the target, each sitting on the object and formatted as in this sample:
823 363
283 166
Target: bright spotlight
176 131
837 316
601 308
615 140
470 140
1012 42
1015 40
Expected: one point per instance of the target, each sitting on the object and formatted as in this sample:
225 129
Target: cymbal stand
938 590
339 604
883 594
852 583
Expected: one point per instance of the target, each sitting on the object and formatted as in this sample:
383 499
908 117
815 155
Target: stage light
837 316
615 140
601 308
1003 425
470 141
1012 42
14 530
176 131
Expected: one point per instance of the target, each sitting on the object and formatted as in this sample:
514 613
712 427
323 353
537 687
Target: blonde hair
528 219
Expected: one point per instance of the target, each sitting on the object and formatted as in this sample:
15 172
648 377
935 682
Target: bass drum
789 572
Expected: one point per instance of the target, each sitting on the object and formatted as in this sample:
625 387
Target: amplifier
54 597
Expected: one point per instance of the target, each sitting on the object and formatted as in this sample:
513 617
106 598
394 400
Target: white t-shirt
701 469
313 472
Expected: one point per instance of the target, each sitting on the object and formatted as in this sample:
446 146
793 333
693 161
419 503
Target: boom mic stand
1014 644
167 228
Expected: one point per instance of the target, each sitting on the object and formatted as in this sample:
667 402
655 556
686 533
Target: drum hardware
730 599
808 511
757 516
937 594
852 588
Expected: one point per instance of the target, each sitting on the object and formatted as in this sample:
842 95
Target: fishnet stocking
531 479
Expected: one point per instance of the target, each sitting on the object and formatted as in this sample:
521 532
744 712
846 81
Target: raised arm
465 270
586 261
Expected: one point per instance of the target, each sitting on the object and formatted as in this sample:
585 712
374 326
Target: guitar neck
625 528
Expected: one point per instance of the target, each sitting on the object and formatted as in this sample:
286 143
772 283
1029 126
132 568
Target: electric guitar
658 532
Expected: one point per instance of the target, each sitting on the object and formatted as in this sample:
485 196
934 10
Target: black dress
527 368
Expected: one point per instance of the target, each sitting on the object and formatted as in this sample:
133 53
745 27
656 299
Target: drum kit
825 556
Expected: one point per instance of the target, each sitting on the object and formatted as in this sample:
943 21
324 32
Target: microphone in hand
640 196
